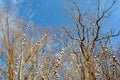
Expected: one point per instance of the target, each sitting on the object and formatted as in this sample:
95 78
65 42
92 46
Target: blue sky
50 12
43 12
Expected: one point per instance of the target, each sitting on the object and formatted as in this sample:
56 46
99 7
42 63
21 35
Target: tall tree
88 41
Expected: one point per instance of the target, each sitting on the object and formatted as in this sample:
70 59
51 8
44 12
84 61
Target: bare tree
90 44
24 54
86 52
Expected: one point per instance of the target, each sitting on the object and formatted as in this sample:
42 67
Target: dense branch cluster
84 54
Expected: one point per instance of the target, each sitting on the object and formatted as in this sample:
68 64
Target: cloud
14 1
17 1
1 4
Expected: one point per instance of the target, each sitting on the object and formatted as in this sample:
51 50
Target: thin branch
101 17
80 22
68 33
109 36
